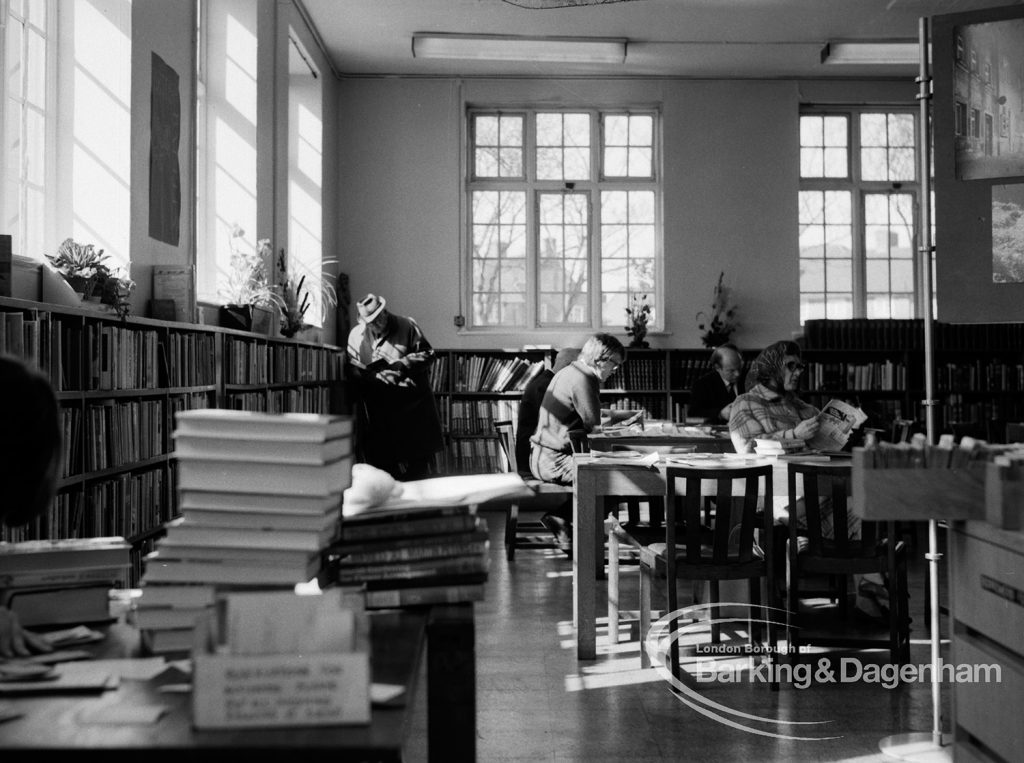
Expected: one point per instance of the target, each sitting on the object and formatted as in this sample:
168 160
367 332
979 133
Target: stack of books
62 582
412 556
765 447
424 546
260 500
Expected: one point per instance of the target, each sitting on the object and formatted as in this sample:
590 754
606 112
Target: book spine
419 552
436 526
70 577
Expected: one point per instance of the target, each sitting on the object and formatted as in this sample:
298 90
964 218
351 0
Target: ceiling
761 39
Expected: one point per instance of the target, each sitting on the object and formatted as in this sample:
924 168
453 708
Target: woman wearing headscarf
772 410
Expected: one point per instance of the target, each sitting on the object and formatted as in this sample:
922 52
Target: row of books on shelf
127 505
655 405
492 373
993 376
302 400
686 371
260 500
297 363
191 359
884 375
119 433
908 334
474 456
245 361
478 416
639 372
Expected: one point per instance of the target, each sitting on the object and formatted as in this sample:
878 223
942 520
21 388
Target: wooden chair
530 534
724 552
841 556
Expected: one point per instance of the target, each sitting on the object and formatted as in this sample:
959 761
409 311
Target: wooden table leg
584 563
451 684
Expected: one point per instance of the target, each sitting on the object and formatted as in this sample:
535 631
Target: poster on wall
1008 233
988 99
164 173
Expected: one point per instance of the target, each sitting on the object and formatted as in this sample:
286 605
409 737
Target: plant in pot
637 316
719 324
82 266
296 284
249 299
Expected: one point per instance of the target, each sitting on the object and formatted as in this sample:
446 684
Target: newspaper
837 419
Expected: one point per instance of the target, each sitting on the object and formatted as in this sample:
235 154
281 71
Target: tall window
67 125
858 197
305 168
225 139
564 217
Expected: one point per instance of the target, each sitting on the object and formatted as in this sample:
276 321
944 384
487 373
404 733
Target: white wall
731 159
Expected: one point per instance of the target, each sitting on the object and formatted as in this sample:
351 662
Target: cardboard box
263 691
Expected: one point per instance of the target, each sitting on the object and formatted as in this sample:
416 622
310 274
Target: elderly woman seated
771 409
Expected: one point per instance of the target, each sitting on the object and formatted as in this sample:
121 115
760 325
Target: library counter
60 722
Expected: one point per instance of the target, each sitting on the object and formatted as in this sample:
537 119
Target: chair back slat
579 441
757 483
824 490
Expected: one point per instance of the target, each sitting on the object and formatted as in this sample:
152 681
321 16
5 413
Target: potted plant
637 316
719 324
249 299
294 291
82 266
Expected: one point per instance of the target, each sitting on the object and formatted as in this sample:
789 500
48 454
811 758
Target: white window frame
534 188
858 188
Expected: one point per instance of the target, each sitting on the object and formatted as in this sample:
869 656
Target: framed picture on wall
984 79
1008 233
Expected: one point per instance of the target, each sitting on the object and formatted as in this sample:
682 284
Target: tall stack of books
412 556
260 500
62 582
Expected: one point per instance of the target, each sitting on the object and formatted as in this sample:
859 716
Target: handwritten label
281 690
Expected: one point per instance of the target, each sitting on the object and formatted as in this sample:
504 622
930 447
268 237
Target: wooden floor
536 702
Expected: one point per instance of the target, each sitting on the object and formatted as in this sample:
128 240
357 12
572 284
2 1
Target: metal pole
923 746
927 291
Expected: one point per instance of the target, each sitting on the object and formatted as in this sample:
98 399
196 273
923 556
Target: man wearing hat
398 429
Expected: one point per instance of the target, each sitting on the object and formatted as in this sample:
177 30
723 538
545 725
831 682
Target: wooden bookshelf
119 384
877 364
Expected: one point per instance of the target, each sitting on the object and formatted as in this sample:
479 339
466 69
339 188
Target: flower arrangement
293 289
719 324
246 282
637 316
82 265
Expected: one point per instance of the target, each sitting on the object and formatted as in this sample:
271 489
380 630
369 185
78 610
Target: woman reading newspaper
771 409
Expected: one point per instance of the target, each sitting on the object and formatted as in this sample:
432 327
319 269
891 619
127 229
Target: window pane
835 163
565 248
874 164
563 146
498 223
627 225
812 275
840 306
498 145
486 162
629 146
877 276
839 276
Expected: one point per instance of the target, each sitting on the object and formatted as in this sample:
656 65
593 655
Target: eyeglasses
794 366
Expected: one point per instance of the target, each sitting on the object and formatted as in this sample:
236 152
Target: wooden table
51 723
599 477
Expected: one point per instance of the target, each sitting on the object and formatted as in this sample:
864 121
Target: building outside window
857 213
563 217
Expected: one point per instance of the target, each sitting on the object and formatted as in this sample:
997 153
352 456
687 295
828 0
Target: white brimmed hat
370 307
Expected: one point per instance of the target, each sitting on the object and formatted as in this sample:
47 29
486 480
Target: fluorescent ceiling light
494 47
894 52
